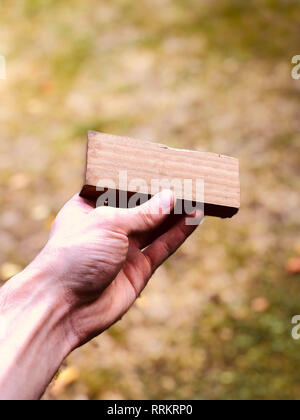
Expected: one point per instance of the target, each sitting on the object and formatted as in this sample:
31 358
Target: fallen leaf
293 266
260 304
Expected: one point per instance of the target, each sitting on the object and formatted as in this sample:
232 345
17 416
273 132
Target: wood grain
107 155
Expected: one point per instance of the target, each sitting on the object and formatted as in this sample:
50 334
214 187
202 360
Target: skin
95 264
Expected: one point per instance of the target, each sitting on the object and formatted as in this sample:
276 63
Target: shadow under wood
91 193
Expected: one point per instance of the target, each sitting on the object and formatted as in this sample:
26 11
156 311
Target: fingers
143 218
142 240
151 214
163 247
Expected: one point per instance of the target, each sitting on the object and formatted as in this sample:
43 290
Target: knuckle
181 232
166 247
147 218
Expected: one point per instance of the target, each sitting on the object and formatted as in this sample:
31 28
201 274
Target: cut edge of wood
94 135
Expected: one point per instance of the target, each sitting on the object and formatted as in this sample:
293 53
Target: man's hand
104 257
96 263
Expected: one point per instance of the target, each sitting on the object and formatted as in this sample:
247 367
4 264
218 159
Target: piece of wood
108 156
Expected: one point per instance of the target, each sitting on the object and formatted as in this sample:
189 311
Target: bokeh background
211 75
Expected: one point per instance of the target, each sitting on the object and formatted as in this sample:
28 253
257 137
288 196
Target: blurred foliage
213 75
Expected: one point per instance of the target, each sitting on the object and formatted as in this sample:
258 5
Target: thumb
149 215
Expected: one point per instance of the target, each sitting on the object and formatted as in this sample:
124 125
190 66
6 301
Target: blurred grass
214 75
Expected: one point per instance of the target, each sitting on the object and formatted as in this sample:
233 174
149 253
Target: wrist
35 290
34 339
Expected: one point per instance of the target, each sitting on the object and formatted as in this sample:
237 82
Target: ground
213 75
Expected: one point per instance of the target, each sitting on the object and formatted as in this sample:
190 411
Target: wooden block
108 156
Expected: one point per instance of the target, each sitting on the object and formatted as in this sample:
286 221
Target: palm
119 296
124 261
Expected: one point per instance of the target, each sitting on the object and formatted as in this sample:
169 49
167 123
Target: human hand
104 257
94 266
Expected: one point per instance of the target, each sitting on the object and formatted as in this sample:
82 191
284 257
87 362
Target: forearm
33 336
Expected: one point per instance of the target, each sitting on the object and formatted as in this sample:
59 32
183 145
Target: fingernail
166 199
